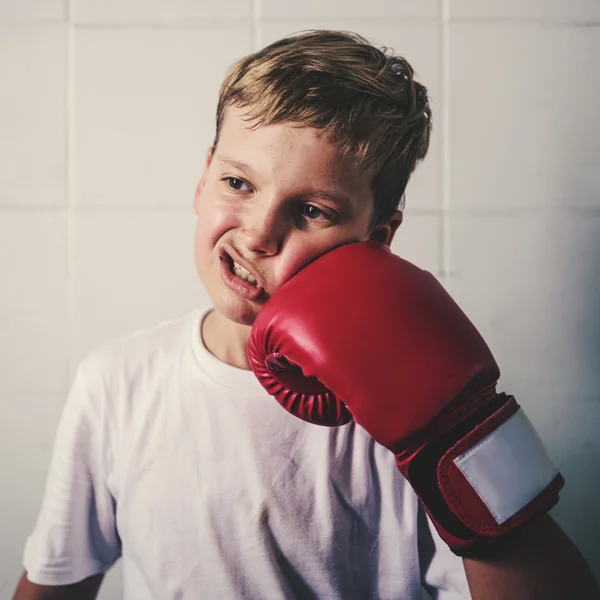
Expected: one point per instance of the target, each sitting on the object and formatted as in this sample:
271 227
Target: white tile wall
144 103
27 431
130 270
32 9
531 284
563 10
106 109
570 428
33 114
114 11
353 9
33 307
524 127
418 241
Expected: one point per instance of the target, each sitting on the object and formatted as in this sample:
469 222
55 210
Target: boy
172 456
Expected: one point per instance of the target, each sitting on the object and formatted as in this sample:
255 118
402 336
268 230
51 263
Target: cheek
301 251
213 222
296 256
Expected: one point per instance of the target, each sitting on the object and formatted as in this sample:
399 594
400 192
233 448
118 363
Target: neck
226 340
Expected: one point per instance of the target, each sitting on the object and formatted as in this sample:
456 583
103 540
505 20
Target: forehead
288 151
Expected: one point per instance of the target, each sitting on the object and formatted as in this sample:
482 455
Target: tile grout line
445 150
70 181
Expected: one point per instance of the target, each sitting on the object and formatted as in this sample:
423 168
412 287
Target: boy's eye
234 183
312 213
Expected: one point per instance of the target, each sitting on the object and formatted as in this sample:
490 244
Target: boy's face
272 200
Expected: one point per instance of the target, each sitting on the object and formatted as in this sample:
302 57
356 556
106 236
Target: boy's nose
263 232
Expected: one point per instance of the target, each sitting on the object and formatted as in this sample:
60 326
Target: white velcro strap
509 467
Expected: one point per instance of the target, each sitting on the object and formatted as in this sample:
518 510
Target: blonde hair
362 98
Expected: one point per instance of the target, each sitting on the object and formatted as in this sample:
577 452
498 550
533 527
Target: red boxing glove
361 333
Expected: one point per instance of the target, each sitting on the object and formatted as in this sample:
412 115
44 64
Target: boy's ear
202 182
385 233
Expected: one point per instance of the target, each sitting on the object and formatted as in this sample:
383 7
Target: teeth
243 273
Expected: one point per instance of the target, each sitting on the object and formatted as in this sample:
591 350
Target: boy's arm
78 510
83 590
536 561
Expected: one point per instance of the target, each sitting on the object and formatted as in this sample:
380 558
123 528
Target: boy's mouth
242 272
238 270
238 278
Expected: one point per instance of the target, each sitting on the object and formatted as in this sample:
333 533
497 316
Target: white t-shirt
188 470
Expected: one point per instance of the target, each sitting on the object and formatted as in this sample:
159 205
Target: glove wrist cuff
484 477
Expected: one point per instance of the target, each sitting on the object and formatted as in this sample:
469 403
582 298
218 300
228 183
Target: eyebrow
335 196
236 163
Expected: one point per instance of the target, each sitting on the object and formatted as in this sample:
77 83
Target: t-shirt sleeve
442 571
75 535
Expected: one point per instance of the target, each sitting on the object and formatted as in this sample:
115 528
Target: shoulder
138 354
114 380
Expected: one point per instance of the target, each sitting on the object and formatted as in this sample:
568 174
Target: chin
238 311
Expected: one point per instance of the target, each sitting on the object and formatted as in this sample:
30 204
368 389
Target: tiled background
107 107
